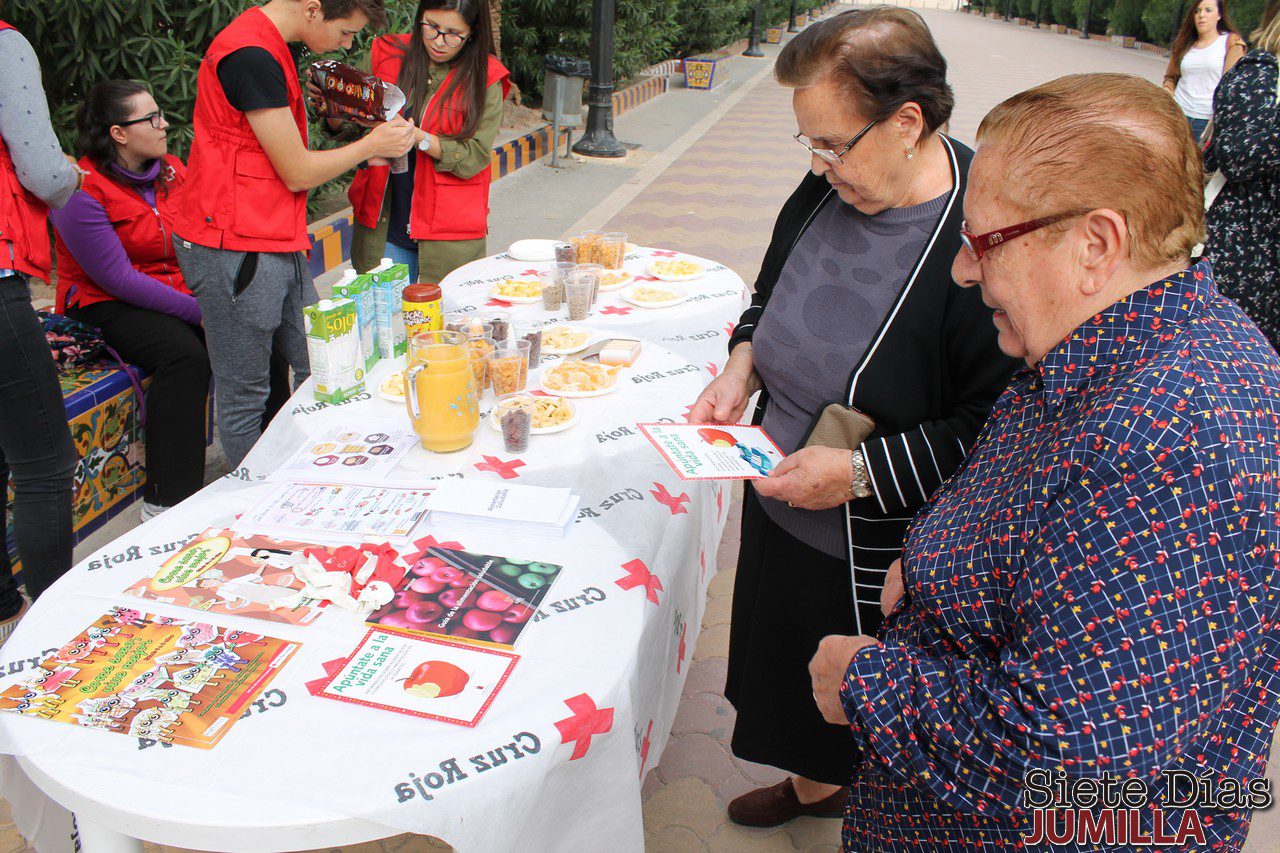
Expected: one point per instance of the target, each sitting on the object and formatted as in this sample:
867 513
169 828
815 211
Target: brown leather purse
839 426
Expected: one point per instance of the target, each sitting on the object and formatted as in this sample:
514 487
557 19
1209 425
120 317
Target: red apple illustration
436 679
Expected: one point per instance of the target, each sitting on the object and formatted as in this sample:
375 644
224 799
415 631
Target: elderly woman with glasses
854 315
1090 598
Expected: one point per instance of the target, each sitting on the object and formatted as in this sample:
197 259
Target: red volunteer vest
24 219
145 233
444 207
234 199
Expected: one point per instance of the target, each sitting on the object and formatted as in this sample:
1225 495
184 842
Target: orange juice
441 392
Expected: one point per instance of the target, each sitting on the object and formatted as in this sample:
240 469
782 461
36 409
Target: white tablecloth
558 760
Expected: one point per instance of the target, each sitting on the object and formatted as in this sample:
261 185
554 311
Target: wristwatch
860 485
425 144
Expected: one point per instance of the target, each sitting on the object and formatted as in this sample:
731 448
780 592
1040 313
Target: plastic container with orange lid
423 308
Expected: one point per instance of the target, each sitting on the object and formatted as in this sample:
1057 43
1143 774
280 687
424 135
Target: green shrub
705 25
1160 18
1098 20
1064 12
1126 19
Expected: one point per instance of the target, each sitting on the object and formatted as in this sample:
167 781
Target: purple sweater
84 227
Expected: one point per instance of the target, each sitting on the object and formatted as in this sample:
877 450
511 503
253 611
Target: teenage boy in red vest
242 224
35 443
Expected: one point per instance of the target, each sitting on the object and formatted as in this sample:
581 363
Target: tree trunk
495 15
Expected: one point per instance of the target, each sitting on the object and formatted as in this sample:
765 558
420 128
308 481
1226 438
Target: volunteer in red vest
117 271
435 216
241 229
35 443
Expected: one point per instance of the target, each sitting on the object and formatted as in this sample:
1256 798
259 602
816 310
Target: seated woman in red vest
435 216
117 271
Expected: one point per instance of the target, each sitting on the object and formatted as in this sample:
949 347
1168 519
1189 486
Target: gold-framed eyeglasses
826 154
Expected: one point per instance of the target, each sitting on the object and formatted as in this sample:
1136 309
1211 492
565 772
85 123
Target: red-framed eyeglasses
979 244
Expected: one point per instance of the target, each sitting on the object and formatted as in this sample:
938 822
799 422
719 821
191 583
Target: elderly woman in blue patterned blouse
1093 593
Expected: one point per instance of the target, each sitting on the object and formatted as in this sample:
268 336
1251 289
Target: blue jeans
1197 127
401 255
35 448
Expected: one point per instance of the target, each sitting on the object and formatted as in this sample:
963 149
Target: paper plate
533 250
629 279
552 430
653 271
516 300
684 295
550 350
389 397
578 394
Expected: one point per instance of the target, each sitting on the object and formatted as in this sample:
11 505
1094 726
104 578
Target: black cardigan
928 379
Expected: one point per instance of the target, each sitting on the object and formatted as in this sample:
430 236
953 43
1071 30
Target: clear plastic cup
587 245
458 321
577 292
514 413
613 250
532 335
501 323
508 367
478 349
566 253
594 270
552 290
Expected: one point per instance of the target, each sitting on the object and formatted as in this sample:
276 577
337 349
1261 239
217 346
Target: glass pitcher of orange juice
440 391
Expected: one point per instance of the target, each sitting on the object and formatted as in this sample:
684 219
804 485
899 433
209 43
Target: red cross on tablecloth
647 278
497 303
682 648
620 310
719 502
688 410
638 574
420 548
586 722
529 272
674 503
728 329
702 561
713 368
537 392
663 253
505 470
644 748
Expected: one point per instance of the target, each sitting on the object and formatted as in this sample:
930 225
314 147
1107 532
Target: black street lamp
753 43
791 27
598 139
1177 21
1008 10
1088 19
1039 6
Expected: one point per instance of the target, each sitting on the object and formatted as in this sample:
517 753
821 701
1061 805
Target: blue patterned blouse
1095 589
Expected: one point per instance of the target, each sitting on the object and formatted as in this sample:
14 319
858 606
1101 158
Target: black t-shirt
253 80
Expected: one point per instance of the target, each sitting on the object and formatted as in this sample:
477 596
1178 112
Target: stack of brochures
479 506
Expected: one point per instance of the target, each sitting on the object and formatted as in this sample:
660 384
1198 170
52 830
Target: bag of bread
349 93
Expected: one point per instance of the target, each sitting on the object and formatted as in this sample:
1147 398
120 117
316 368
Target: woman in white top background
1205 47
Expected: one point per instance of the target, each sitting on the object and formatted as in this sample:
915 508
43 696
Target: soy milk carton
333 343
389 281
359 289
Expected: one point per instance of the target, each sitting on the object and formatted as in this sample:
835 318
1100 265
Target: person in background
35 442
1090 594
117 270
854 305
1244 221
241 226
434 217
1204 48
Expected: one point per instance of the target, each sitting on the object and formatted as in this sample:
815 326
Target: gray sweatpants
249 300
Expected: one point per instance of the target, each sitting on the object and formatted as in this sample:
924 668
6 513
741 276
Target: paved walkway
714 192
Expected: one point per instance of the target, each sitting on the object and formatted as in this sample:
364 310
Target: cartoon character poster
422 676
714 451
152 677
227 572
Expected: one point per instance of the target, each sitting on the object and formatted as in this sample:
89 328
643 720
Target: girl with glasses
117 270
434 216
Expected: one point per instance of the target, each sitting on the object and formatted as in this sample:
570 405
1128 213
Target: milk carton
359 289
333 343
389 281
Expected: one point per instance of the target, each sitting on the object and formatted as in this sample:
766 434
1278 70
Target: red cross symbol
688 410
638 574
713 368
621 310
586 722
674 503
505 470
646 278
682 648
538 392
423 544
644 748
719 502
533 273
728 329
702 561
663 253
497 303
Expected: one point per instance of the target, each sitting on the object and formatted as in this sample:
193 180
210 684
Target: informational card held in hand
714 451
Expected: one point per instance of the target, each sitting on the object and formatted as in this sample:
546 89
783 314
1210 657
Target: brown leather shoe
778 804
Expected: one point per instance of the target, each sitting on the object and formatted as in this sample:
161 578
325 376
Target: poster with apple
423 676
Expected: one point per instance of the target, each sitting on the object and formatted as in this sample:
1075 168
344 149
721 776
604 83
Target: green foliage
1245 14
705 25
1160 18
1064 12
1098 20
645 32
1126 19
